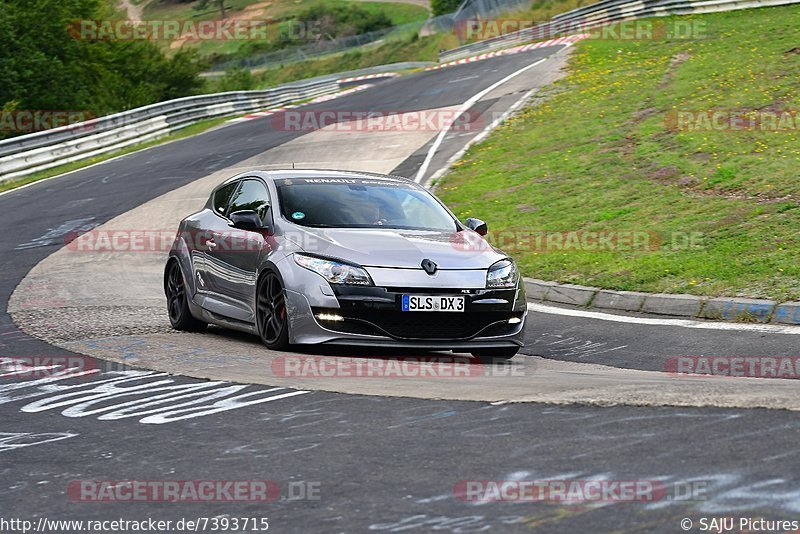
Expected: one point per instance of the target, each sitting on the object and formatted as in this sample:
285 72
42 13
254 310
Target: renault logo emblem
429 266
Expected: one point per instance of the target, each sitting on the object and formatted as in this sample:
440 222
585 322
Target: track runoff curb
741 310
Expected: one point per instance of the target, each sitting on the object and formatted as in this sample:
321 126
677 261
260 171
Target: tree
343 19
203 4
45 67
442 7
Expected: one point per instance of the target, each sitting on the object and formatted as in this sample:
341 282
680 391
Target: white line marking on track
113 394
480 137
460 111
463 79
684 323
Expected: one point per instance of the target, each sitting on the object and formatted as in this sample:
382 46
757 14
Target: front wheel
495 355
271 319
180 317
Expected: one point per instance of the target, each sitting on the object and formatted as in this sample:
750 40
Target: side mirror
246 220
477 225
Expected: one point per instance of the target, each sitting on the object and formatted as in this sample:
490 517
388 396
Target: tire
180 316
272 319
496 355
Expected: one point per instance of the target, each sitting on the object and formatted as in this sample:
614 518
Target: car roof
277 174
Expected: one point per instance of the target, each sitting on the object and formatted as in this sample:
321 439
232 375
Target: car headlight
334 272
502 274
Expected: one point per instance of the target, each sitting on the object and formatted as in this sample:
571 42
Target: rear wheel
271 318
496 355
180 317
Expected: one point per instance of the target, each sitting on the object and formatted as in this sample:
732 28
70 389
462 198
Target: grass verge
412 49
257 10
602 154
398 12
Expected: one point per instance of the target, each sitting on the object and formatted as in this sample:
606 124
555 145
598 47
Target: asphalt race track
589 400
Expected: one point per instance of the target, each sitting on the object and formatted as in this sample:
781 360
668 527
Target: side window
222 197
252 195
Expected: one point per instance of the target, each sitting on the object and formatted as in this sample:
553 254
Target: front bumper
371 316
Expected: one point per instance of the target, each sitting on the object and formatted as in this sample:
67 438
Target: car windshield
361 203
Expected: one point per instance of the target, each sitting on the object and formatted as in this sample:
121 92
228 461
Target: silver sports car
346 258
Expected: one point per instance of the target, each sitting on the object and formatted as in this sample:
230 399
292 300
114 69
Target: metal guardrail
43 150
39 151
316 49
613 10
606 11
377 69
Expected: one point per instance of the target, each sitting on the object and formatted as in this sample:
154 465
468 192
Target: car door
236 254
212 222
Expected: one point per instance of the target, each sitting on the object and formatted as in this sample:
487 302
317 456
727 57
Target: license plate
428 303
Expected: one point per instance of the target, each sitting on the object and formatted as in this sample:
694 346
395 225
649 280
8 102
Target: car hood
399 248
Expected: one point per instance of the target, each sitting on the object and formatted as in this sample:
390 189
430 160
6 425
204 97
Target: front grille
423 325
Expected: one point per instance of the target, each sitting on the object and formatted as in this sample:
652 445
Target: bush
44 67
343 20
235 79
442 7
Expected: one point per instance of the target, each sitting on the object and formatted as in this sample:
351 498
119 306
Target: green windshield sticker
298 215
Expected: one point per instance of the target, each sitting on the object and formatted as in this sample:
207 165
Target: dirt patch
527 208
134 11
251 12
667 174
506 191
733 194
422 3
674 62
692 186
642 114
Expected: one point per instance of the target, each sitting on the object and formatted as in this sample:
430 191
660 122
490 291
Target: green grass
111 10
397 12
165 10
597 155
189 131
421 49
277 9
544 10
